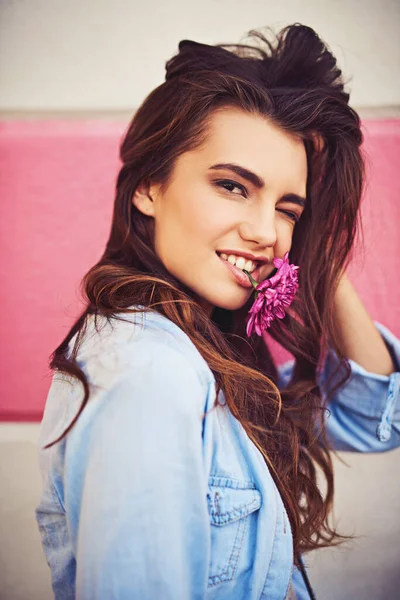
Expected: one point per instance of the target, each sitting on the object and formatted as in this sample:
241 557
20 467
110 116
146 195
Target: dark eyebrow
256 180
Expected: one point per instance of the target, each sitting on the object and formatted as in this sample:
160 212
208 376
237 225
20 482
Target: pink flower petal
274 295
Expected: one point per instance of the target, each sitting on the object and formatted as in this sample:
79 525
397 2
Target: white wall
108 55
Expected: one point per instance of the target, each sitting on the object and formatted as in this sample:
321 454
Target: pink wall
57 183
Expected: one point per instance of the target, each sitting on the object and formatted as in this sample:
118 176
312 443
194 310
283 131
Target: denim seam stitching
383 430
222 577
272 552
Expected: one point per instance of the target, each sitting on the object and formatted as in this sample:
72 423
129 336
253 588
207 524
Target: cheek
203 218
214 220
187 222
284 236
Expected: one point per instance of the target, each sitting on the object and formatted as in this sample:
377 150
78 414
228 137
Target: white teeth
240 262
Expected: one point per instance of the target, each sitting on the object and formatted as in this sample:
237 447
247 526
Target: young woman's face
209 209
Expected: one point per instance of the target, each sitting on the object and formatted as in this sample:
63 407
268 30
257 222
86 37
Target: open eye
229 183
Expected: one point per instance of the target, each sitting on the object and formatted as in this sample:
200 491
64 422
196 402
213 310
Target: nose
259 227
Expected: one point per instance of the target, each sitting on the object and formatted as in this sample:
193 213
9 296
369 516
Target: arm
364 410
136 485
365 413
359 339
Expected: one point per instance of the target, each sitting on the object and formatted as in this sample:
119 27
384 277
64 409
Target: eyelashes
294 216
233 184
227 182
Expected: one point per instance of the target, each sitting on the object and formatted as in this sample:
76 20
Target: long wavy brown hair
294 82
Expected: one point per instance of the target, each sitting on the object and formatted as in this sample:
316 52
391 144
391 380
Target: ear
143 198
318 142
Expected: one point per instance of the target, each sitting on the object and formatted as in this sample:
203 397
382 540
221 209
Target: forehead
252 141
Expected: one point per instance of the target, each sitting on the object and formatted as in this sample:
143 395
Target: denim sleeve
136 484
365 412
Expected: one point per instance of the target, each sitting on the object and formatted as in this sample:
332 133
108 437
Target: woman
178 461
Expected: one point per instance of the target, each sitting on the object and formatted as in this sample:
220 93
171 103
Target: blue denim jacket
145 500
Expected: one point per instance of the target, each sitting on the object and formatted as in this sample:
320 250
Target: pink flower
272 296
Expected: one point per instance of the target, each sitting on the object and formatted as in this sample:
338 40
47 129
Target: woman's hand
359 339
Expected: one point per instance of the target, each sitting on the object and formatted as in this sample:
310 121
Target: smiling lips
238 273
240 262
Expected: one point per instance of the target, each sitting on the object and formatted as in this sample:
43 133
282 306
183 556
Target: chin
231 301
223 296
231 305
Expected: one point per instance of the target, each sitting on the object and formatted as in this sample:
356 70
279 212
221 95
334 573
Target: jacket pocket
231 503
